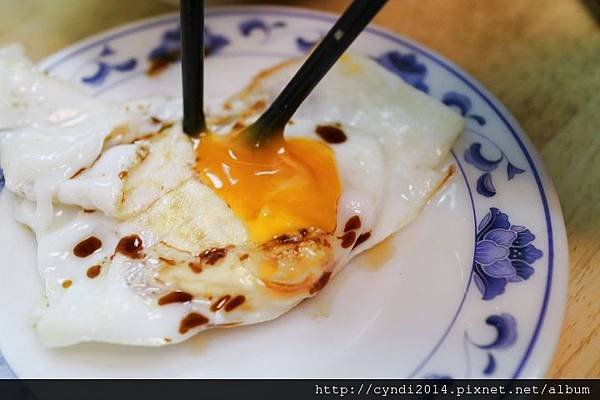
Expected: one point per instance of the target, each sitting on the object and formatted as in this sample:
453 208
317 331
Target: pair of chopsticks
272 122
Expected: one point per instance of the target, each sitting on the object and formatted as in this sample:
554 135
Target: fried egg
147 237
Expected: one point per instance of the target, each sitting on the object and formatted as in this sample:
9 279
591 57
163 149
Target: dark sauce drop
331 134
211 256
353 223
320 284
348 239
361 239
195 267
191 321
131 246
175 297
93 272
235 302
217 305
87 247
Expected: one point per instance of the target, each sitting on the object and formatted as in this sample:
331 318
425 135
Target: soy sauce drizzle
175 297
361 239
235 302
195 267
320 284
191 321
221 301
331 133
93 271
348 239
131 246
87 247
211 256
353 223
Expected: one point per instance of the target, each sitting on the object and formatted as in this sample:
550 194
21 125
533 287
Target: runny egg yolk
280 187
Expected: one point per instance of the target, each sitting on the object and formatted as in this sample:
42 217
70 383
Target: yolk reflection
282 186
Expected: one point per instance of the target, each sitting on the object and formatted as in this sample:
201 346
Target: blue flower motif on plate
105 66
1 179
474 156
169 49
463 104
503 253
506 332
213 42
506 336
405 66
247 27
305 45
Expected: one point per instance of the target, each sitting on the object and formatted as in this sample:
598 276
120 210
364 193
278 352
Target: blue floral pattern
505 326
213 42
1 179
474 156
304 44
104 67
463 104
169 48
407 67
168 51
504 253
506 336
248 26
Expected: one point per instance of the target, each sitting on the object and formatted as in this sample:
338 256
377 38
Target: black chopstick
192 65
356 17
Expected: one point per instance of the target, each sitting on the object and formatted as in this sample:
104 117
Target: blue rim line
433 57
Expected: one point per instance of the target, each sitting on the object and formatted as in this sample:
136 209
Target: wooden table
541 58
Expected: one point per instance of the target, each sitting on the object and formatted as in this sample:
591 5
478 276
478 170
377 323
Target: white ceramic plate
420 305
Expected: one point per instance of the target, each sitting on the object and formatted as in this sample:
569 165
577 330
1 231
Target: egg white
82 168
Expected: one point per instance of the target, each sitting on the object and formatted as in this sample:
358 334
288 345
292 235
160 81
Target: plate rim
555 291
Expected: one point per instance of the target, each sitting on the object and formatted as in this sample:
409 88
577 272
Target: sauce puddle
374 258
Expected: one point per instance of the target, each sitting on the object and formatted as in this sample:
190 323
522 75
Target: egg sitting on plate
147 237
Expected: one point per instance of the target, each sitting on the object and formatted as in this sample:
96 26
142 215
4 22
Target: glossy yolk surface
280 187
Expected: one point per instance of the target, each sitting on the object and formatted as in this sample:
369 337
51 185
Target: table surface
542 61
